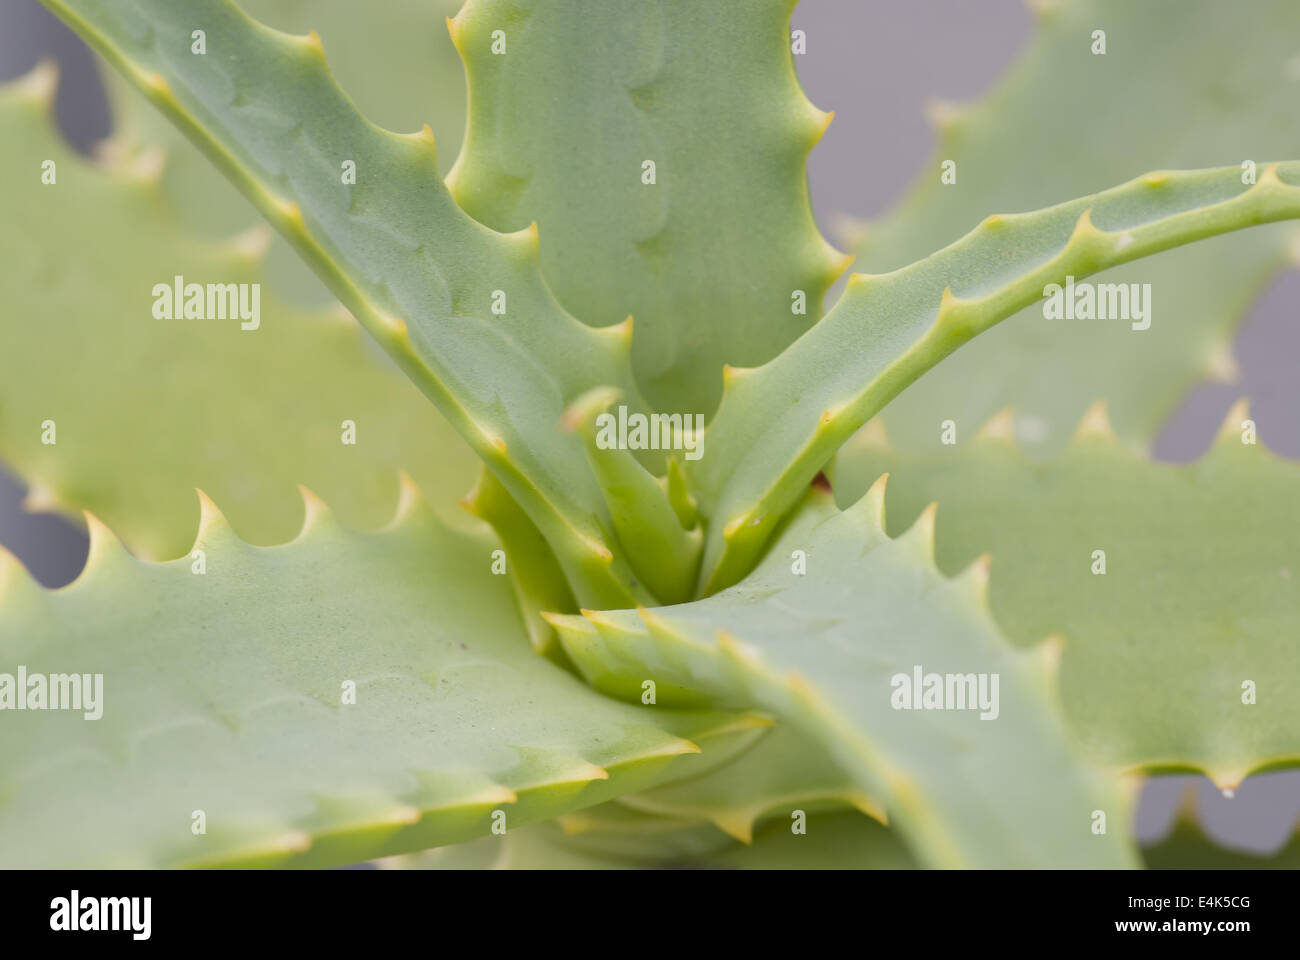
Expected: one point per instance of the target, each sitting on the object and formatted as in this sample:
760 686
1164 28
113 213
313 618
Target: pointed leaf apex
40 499
921 533
620 332
394 327
1085 231
1045 660
1231 427
148 165
943 115
102 540
312 42
156 84
731 374
840 261
1042 9
289 212
408 500
731 645
867 805
583 411
252 244
425 135
977 575
871 505
1095 424
737 824
454 31
874 436
1221 364
528 239
210 517
851 231
1226 780
314 509
41 82
999 428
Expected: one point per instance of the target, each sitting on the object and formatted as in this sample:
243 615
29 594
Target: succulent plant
683 617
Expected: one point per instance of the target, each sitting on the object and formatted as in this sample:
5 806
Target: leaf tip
454 30
999 428
1221 363
1230 430
1095 424
409 499
943 115
314 509
40 498
210 517
40 83
252 244
311 41
921 534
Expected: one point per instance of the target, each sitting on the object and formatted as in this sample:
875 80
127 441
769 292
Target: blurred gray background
875 62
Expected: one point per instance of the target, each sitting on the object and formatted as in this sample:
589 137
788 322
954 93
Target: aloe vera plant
683 617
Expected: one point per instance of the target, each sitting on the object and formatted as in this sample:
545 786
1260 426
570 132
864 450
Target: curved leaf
1201 590
718 259
453 302
227 692
779 424
403 39
844 840
824 651
1065 122
146 409
781 773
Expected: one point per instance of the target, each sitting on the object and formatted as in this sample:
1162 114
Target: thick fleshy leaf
336 698
396 63
456 304
1065 122
840 840
717 258
781 774
831 651
1198 607
144 409
780 423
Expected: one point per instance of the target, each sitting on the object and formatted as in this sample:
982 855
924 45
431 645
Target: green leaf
1066 122
404 39
843 840
526 557
417 272
1200 594
823 652
663 553
147 409
226 692
781 773
779 424
709 257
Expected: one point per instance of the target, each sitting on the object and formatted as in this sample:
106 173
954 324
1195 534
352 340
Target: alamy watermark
945 691
179 300
77 913
54 691
655 431
1098 301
